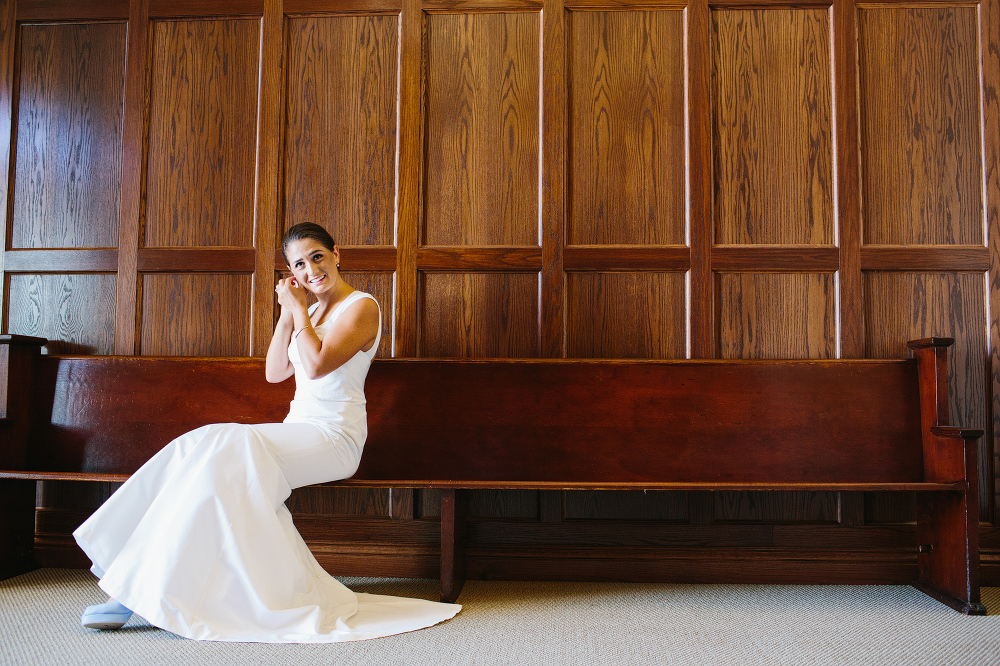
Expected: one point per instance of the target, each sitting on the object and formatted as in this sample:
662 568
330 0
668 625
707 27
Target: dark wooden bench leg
948 550
453 503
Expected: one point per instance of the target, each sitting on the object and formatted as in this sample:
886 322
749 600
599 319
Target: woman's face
312 264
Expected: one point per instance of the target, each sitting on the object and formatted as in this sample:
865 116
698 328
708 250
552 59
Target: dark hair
306 230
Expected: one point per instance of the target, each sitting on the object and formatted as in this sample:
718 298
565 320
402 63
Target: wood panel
479 315
75 312
819 507
777 315
340 502
67 178
626 505
198 314
626 315
773 126
920 125
341 137
627 122
482 129
202 133
907 306
379 285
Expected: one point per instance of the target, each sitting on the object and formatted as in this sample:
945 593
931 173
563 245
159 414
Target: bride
199 541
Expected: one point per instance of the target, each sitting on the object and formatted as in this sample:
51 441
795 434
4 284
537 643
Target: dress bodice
337 400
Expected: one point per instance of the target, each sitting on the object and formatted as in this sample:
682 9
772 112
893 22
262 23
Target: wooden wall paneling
626 505
340 502
70 10
68 161
341 134
908 306
201 164
8 35
850 310
819 507
626 315
701 230
777 315
75 313
410 176
503 504
482 129
554 146
133 137
492 315
265 228
626 175
990 47
920 125
378 285
773 126
197 314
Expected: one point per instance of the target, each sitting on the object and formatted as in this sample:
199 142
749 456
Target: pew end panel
947 521
17 496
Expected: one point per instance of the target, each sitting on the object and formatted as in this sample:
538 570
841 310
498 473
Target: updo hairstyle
306 230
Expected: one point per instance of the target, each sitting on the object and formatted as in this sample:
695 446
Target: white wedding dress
199 541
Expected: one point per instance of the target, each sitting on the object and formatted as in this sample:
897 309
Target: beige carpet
547 623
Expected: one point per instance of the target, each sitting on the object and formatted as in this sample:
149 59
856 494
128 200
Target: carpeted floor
546 623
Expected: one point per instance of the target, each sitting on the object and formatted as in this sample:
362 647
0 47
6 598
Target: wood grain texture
626 315
481 184
990 36
848 190
133 170
627 258
410 204
75 312
921 146
819 507
773 126
200 177
965 258
195 315
626 505
704 336
774 258
58 261
909 306
340 134
265 233
188 8
509 258
70 10
627 124
777 315
69 135
379 285
341 502
552 194
479 315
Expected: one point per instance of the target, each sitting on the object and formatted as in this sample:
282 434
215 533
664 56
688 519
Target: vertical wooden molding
8 37
847 201
268 165
410 169
701 310
133 139
990 41
552 289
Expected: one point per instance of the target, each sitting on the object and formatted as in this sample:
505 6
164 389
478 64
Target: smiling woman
199 541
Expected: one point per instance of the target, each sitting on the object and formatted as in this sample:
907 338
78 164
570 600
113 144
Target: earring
338 267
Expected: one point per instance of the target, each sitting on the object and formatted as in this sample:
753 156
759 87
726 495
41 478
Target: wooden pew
836 425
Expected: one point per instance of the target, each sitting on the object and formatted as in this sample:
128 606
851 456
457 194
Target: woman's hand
291 296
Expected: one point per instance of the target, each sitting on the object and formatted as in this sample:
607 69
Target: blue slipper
110 615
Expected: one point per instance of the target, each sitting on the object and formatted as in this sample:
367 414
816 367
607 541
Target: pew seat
457 425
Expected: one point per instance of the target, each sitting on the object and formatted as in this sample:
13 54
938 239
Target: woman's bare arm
277 367
355 329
